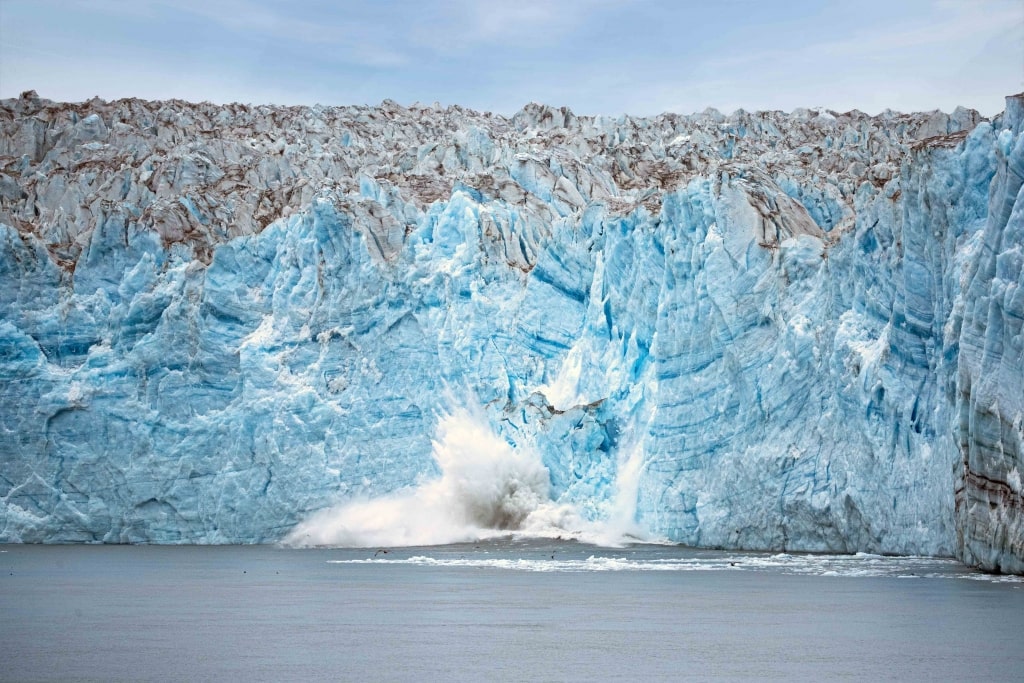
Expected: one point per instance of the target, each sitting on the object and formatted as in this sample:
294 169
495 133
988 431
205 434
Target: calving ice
386 325
486 489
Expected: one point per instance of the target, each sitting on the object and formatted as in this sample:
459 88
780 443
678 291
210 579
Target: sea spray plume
492 485
486 487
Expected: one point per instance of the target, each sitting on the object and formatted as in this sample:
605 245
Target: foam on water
859 565
487 489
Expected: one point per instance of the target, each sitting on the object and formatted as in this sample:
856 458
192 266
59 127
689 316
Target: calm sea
498 611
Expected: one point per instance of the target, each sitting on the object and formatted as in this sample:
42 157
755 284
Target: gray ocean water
498 611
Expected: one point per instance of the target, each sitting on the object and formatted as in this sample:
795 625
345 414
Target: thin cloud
458 26
953 30
55 78
596 56
246 16
344 38
352 40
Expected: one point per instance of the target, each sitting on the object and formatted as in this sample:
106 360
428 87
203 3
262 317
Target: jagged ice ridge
791 331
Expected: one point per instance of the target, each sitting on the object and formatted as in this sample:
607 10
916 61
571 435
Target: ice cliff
761 330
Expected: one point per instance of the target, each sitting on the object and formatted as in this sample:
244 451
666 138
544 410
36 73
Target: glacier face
789 331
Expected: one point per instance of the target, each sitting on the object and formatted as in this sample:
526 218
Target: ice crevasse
798 331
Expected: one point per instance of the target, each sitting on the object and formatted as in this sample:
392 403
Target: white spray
486 489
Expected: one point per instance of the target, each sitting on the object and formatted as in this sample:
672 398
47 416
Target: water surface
500 610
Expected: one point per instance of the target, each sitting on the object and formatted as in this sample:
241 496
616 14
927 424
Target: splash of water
486 489
622 518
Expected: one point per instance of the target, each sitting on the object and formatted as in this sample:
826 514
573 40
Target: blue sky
596 56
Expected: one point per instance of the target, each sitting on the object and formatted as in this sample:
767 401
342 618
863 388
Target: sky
640 57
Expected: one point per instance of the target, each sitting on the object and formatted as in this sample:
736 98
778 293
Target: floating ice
841 566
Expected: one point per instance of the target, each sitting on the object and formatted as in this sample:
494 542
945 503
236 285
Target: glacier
796 331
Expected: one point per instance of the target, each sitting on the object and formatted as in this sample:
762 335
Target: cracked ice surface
762 330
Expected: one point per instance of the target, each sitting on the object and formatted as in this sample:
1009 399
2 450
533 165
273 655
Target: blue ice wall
804 330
